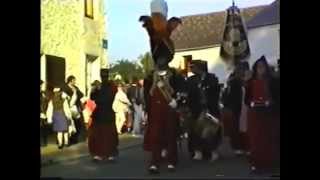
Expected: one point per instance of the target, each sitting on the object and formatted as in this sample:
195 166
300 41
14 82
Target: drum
207 125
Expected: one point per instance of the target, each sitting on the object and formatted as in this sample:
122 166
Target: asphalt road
131 164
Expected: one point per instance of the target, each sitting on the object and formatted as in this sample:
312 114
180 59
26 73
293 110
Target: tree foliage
147 62
132 69
127 70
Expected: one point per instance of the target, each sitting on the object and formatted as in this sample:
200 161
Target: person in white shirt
120 106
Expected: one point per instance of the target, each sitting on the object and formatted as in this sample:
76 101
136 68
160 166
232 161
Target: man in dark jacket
135 95
232 102
203 91
76 106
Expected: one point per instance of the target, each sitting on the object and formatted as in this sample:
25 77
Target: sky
126 37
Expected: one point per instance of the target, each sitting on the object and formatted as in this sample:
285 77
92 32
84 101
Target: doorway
55 70
90 59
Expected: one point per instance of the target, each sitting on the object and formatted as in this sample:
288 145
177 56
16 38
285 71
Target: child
59 114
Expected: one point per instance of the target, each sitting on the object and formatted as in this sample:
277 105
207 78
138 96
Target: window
105 44
55 70
187 62
88 6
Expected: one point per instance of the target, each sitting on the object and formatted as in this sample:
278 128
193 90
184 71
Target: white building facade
264 34
200 36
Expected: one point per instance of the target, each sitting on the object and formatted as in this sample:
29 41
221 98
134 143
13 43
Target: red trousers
161 131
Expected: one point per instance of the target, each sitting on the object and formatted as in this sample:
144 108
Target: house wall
210 54
67 33
265 41
262 41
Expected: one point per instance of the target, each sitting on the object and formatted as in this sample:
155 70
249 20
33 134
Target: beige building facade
73 41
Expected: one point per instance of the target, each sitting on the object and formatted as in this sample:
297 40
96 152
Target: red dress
103 137
161 130
261 127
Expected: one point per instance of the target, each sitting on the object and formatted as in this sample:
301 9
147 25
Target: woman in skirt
103 138
59 115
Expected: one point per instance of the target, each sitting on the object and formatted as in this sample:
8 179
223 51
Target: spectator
138 106
102 137
59 114
121 107
76 108
44 100
90 105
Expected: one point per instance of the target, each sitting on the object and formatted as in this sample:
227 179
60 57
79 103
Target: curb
47 162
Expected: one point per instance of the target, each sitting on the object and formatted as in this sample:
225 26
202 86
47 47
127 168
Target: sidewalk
52 155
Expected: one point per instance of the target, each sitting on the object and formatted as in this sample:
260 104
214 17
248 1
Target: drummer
203 90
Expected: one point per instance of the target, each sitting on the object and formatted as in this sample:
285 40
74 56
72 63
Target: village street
76 163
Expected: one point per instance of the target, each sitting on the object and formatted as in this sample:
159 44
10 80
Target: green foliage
127 70
147 62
